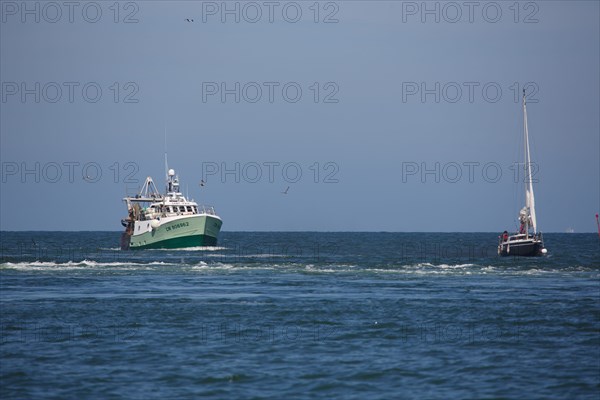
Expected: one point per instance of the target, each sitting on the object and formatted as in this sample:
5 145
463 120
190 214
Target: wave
235 255
73 265
215 266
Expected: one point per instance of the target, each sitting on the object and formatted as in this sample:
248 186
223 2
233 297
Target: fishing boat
527 241
168 221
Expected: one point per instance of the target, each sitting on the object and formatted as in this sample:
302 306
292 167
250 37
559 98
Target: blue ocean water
299 315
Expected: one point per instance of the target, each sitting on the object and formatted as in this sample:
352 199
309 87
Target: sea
303 315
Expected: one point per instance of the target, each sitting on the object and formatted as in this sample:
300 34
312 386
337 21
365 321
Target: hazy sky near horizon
379 115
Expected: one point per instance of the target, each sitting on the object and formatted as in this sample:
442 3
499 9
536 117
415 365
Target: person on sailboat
505 236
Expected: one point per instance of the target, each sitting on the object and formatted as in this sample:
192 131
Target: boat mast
168 187
529 198
166 164
166 173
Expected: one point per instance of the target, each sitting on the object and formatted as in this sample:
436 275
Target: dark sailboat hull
523 248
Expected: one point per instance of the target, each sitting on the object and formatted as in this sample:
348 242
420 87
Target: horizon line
297 231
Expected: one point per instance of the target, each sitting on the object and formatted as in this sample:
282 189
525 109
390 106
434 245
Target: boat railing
146 215
519 236
210 210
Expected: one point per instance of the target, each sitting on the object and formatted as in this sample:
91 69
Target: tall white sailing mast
529 197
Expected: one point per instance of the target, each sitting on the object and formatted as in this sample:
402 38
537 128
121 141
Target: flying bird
201 182
286 190
189 20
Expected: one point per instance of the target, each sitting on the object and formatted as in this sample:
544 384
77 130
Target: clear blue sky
376 60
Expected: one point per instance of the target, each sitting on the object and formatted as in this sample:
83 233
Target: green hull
193 231
180 242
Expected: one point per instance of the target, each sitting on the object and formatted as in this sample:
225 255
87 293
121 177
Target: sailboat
528 241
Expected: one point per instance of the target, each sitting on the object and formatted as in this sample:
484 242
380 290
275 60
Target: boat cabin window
182 208
189 208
